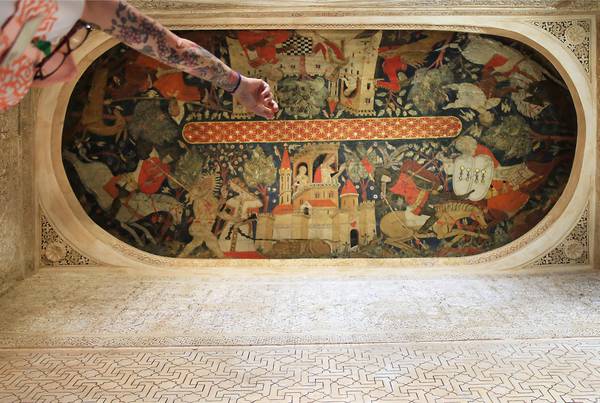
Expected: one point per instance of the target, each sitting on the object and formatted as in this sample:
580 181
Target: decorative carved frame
573 56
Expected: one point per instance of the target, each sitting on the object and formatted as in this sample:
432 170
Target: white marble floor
121 307
342 335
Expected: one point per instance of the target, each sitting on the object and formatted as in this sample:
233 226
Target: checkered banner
298 46
315 130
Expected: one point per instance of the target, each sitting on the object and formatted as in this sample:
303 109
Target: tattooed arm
142 33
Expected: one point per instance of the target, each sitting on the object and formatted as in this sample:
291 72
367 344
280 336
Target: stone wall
597 207
17 212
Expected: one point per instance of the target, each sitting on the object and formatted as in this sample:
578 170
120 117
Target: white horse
471 96
93 175
140 205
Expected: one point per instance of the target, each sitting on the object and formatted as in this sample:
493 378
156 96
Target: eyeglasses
72 40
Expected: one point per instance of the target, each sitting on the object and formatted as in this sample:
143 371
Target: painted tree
260 172
227 159
511 136
188 168
360 166
151 124
302 98
428 91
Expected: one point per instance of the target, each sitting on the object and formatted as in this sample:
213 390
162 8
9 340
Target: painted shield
472 176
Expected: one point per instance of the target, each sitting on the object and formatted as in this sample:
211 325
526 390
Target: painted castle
311 205
347 62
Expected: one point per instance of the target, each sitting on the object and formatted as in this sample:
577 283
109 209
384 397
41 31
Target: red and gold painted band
316 130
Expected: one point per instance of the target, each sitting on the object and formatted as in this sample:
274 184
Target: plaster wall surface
596 246
16 195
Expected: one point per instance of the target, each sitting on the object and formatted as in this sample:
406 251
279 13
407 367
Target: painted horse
139 205
399 227
449 215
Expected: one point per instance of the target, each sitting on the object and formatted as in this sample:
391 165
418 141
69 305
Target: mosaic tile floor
531 371
104 335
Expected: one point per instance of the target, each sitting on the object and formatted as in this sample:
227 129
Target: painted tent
389 144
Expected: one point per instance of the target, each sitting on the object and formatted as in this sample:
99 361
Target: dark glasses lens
70 42
79 37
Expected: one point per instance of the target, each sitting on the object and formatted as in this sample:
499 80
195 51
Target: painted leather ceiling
388 144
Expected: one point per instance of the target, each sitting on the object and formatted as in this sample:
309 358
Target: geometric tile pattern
517 371
322 130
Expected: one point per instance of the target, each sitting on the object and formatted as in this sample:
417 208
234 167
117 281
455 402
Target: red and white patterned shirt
22 22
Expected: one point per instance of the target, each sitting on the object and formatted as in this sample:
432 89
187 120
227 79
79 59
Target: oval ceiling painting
388 144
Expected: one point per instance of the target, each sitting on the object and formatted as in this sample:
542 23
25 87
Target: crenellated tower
349 197
285 179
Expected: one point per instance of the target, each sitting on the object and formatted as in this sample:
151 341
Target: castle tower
360 70
349 197
264 230
367 221
285 179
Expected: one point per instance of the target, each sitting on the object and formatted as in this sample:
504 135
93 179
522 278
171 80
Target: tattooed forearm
151 38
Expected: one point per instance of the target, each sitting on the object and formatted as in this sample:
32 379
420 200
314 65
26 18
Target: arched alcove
539 185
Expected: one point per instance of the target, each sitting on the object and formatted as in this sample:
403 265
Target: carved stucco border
55 250
575 34
536 245
575 248
274 9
